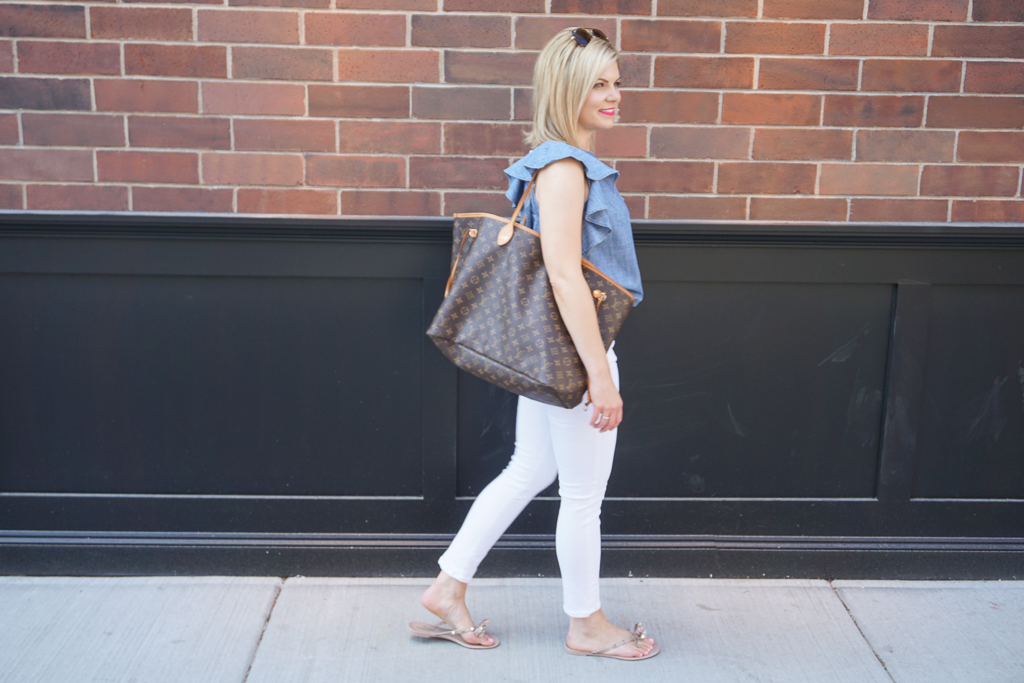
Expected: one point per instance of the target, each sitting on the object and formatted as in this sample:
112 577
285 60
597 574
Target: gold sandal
439 630
637 636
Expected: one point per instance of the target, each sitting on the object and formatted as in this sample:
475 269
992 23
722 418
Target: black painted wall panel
200 385
971 436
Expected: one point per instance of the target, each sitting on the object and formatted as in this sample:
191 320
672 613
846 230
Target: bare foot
446 598
596 632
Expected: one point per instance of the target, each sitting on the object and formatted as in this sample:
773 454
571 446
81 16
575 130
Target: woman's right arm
561 195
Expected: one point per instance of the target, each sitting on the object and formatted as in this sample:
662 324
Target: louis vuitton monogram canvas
499 320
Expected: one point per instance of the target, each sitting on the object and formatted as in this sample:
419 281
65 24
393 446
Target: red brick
899 40
698 142
978 41
42 21
513 6
9 129
598 6
671 35
463 172
63 57
666 106
284 135
140 23
665 176
775 37
147 167
387 4
807 74
73 130
117 94
282 63
6 56
330 28
995 77
998 10
977 181
355 171
485 139
990 146
522 104
88 197
635 71
390 203
269 99
704 72
874 111
359 101
532 33
797 209
911 75
179 132
249 26
765 178
45 93
905 145
771 109
476 202
918 10
991 211
389 66
389 137
868 179
813 9
303 4
972 111
460 102
11 197
301 201
899 210
435 30
802 143
698 208
223 168
707 8
489 68
622 141
195 61
190 199
636 205
45 164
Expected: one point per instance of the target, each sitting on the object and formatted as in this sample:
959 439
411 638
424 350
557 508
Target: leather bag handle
505 235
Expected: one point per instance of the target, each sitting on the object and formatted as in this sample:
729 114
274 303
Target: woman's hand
606 404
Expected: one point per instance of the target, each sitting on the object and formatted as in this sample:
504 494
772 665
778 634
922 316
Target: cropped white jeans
550 442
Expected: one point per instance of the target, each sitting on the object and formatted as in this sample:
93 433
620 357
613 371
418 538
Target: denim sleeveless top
607 231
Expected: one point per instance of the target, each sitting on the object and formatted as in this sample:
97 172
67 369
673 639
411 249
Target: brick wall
824 110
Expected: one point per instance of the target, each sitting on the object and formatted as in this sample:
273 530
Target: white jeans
550 442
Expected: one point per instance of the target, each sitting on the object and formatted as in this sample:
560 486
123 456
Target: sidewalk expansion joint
831 584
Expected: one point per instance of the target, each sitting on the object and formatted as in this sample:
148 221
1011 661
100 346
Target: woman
578 212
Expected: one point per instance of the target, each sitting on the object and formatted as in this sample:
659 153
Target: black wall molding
188 393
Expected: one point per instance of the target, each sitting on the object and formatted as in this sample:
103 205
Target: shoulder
548 153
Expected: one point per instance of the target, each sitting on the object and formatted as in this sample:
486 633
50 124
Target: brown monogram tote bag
499 320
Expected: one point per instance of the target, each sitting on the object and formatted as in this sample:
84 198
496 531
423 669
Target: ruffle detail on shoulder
595 212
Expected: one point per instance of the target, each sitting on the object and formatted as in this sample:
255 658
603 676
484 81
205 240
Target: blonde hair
562 78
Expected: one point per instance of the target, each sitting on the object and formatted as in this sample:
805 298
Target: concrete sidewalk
269 630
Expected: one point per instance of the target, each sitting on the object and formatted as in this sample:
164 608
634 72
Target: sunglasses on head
583 36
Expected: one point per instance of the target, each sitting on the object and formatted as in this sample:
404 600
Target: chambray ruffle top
607 231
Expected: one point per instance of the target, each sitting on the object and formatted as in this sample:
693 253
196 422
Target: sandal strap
475 630
636 637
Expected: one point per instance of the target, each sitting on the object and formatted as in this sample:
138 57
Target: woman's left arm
561 195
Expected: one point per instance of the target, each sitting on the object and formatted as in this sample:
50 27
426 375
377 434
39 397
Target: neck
585 140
